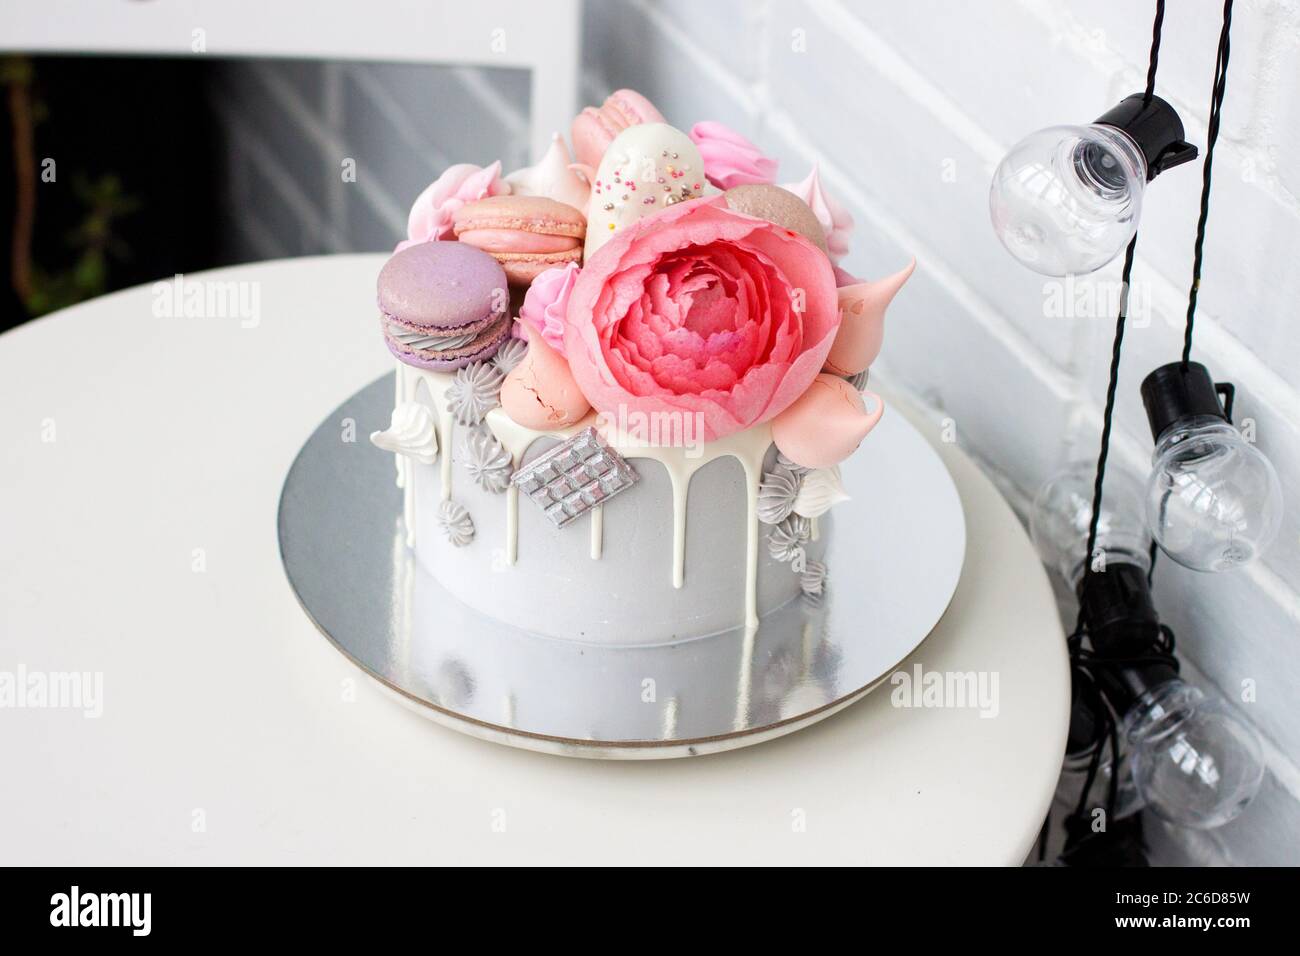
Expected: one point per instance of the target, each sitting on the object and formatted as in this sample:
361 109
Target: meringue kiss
862 322
412 433
553 177
541 392
819 491
825 424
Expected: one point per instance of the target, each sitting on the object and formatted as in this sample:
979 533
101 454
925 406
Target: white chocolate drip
398 398
405 480
745 677
671 708
446 424
597 531
748 447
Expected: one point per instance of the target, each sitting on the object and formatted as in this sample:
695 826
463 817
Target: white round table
142 458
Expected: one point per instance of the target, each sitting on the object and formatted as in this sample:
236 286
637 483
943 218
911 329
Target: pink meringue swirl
546 302
701 311
729 158
432 212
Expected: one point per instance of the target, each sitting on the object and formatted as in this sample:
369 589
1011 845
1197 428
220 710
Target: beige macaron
778 206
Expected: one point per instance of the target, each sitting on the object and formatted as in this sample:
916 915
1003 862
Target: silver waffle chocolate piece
574 477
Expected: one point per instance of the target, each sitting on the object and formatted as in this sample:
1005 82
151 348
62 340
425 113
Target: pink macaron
526 234
596 126
443 305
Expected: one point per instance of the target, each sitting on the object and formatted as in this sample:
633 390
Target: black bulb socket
1176 392
1154 125
1124 627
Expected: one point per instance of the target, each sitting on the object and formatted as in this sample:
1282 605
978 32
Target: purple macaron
443 305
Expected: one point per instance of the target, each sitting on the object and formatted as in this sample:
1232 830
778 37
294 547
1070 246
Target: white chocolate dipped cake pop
646 169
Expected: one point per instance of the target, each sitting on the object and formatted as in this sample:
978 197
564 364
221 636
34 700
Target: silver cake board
894 560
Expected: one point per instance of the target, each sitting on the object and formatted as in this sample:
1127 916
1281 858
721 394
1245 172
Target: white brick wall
908 107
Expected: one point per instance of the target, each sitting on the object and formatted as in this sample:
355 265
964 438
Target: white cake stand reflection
894 563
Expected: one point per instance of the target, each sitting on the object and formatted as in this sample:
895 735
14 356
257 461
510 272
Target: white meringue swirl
821 489
412 432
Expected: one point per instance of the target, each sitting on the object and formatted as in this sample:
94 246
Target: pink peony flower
729 158
835 219
704 312
546 302
432 211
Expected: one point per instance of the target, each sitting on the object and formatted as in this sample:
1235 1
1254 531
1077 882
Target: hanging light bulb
1058 525
1213 501
1062 511
1066 200
1192 761
1186 757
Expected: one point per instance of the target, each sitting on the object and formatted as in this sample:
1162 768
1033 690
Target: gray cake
609 573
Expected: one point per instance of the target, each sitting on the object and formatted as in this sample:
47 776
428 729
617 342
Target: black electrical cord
1212 134
1080 659
1108 415
1153 58
1086 666
1217 89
